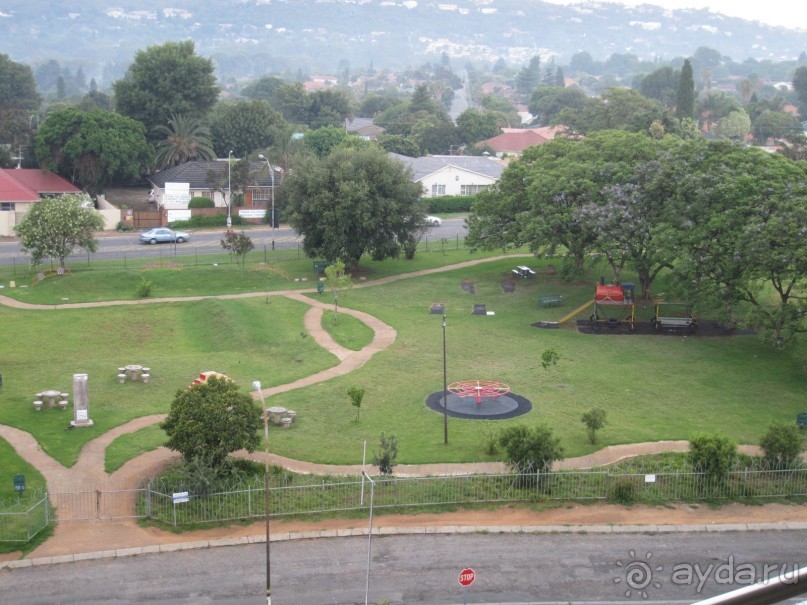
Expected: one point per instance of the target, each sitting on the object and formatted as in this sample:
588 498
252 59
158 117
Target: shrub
781 444
123 227
530 450
216 220
387 452
356 394
450 203
201 202
623 490
144 288
712 455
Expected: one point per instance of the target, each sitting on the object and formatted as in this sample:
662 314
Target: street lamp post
369 538
445 387
272 192
229 189
257 386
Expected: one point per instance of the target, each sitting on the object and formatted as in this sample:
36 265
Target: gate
146 219
96 504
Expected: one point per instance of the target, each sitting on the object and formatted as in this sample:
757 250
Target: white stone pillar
81 401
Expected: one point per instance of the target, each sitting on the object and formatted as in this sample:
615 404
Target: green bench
319 266
801 420
553 300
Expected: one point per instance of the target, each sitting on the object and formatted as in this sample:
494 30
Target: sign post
466 578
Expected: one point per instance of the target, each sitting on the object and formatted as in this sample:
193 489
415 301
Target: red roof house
21 187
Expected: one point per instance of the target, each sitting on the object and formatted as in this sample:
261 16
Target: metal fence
338 494
22 524
188 255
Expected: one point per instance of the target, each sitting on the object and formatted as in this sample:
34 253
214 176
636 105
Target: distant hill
253 37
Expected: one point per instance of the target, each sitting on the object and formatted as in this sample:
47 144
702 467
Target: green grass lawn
653 387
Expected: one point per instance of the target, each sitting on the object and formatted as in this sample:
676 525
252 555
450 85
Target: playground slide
565 318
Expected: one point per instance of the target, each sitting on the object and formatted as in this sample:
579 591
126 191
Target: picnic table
523 271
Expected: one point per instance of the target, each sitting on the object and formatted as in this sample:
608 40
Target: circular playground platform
478 399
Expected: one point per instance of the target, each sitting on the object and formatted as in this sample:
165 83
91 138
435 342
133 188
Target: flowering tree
55 227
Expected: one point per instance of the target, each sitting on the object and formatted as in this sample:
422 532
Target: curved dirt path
88 473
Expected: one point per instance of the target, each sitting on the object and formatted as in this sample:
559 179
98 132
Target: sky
785 13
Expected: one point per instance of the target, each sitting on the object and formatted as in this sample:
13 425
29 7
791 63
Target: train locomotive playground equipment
478 399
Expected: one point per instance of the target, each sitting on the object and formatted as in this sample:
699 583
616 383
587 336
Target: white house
453 174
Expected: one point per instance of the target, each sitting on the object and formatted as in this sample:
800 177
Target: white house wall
454 179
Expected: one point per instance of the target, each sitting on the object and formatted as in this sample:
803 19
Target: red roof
31 184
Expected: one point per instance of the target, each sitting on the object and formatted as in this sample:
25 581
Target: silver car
160 235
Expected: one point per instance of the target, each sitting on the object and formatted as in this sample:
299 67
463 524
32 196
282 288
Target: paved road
202 242
510 568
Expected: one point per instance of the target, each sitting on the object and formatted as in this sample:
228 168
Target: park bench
552 300
801 420
319 266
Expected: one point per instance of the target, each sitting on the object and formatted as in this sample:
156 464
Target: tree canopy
93 148
211 420
55 227
164 81
352 202
19 100
244 127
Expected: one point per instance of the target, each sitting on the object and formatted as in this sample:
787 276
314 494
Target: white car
433 221
163 235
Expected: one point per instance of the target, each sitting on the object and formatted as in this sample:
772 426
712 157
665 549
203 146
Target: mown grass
131 445
653 387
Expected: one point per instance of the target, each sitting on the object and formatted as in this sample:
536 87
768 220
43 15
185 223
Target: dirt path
88 473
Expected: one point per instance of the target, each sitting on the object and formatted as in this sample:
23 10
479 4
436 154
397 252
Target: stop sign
467 577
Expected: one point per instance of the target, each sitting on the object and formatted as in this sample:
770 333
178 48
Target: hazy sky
787 13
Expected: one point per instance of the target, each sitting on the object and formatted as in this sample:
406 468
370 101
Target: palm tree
185 138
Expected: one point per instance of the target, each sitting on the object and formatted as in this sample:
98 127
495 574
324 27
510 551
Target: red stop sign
467 577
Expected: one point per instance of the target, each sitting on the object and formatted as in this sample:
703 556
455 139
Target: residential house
211 179
513 141
452 174
20 188
363 127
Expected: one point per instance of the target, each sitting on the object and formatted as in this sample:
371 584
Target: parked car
433 221
159 235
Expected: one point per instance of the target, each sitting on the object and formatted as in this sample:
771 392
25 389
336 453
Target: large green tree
739 218
244 127
685 98
800 87
615 109
19 101
165 81
474 125
211 420
352 202
539 199
54 228
93 148
548 101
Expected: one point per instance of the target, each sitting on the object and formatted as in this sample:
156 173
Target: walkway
88 472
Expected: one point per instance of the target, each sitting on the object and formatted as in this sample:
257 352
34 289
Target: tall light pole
272 173
256 384
229 189
445 386
369 538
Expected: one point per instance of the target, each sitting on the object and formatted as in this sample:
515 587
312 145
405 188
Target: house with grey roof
452 174
210 179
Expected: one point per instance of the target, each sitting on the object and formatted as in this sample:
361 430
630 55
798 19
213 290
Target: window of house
438 190
6 206
261 194
472 189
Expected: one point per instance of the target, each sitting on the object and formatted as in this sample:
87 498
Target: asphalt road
118 246
510 568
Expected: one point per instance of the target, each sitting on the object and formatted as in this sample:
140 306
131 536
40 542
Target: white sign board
176 195
252 212
649 478
180 497
178 215
81 414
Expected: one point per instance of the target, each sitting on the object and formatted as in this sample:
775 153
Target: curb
401 531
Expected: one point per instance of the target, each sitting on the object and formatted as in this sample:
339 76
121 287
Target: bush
594 420
144 288
623 490
782 445
201 202
712 455
530 450
385 457
123 227
217 220
450 203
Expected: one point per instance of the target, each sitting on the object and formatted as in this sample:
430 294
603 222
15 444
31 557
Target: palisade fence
331 495
188 255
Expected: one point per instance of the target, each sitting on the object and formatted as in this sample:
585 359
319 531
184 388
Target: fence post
249 488
98 504
323 495
675 486
264 254
47 509
148 500
88 261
